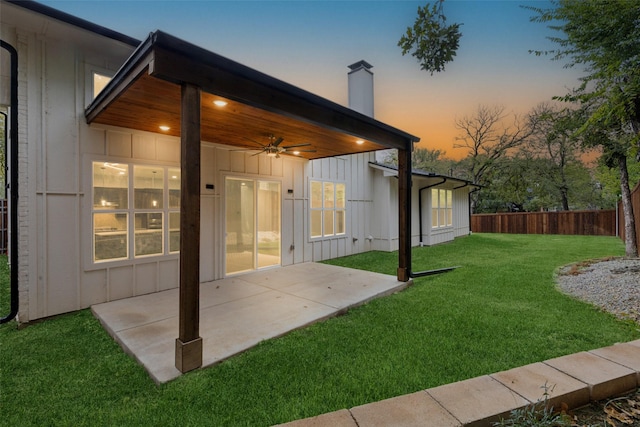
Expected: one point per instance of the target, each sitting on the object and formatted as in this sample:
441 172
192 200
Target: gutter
13 182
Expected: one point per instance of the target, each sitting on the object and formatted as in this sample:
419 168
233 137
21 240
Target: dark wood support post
189 342
404 211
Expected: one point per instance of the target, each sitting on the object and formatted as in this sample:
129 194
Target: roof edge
175 44
423 174
74 20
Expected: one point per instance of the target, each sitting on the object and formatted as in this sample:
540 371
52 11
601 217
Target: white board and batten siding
51 102
385 219
352 170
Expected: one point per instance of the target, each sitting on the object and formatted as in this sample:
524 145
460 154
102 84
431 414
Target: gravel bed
612 284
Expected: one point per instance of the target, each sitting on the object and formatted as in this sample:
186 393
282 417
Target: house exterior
149 165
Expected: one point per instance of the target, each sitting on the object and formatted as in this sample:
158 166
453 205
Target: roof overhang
430 177
145 93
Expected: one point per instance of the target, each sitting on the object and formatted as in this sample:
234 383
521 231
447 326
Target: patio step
573 380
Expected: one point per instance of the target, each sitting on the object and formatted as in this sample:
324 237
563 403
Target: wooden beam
189 342
404 211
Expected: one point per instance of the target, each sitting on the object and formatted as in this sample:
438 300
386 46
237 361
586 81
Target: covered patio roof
169 82
145 94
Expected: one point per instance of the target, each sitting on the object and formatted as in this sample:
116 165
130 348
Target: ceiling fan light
271 154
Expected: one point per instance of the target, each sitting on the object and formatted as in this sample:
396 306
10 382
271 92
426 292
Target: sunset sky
310 44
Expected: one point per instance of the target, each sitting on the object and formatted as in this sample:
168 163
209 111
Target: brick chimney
361 88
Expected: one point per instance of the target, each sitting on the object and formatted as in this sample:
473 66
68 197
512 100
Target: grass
498 311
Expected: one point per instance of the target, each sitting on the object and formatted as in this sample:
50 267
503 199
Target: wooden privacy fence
590 223
635 201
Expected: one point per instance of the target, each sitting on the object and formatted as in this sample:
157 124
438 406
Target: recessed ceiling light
164 128
296 153
220 102
359 142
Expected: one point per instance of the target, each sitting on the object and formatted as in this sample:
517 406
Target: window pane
148 233
328 223
99 82
340 222
268 216
174 231
316 194
449 217
443 198
441 217
341 197
316 223
240 225
110 185
174 188
434 218
148 187
329 196
434 198
449 198
110 236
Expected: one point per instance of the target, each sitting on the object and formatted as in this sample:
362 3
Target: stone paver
625 354
604 377
340 418
532 381
478 401
411 410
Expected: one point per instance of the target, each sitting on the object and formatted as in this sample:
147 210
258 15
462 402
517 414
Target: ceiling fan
274 147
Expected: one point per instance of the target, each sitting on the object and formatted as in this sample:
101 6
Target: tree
604 37
556 141
430 40
487 139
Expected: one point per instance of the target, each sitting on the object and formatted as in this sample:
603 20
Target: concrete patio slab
238 312
478 401
604 377
533 381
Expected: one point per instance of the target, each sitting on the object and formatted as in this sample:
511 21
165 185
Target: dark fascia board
123 78
425 174
168 58
74 20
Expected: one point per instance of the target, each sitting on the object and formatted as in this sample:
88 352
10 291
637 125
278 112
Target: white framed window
327 207
99 81
441 208
96 79
135 211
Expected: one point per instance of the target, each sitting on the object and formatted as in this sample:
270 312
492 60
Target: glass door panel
253 217
240 225
268 216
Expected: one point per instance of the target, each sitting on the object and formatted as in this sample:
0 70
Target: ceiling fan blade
306 151
277 141
259 152
306 144
255 142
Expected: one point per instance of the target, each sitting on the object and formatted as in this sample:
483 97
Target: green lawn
497 311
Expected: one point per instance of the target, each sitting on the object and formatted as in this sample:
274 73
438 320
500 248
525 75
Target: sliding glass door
253 218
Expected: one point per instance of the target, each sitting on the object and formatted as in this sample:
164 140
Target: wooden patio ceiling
145 94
